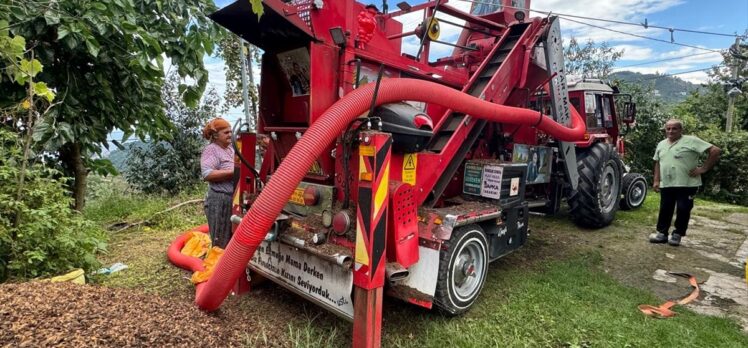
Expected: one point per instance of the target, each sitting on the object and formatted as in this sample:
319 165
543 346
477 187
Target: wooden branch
138 223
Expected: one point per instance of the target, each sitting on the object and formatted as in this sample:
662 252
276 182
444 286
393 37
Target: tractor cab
603 108
496 9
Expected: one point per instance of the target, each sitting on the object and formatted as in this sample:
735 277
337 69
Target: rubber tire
627 185
585 202
445 298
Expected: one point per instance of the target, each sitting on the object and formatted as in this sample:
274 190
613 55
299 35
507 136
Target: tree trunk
70 155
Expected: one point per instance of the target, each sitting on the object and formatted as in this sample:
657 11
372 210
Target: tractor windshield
485 7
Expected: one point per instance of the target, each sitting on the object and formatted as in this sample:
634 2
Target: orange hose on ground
180 260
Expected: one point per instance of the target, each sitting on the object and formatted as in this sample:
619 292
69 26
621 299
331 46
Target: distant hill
670 88
119 157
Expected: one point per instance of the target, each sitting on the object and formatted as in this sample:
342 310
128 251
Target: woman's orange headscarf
214 126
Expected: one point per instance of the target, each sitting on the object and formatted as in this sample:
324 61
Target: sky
639 54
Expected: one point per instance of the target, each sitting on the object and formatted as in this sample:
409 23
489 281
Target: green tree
39 234
709 105
21 114
703 113
229 48
642 139
591 60
105 58
174 164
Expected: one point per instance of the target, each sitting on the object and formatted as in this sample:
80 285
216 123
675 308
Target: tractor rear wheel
595 202
463 265
634 191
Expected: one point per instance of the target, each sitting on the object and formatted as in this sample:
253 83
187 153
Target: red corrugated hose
258 220
180 260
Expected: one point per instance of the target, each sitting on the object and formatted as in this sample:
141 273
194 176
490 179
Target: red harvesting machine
385 170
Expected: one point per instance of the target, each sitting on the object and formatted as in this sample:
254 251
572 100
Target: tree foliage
703 114
709 105
642 140
229 48
591 60
49 237
174 164
105 58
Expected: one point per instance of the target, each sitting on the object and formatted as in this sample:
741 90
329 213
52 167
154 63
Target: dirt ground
714 251
43 314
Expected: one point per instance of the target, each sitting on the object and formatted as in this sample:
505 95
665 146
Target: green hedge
728 181
40 235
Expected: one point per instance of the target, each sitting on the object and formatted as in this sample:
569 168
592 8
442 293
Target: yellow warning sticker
366 150
362 255
410 163
316 169
297 197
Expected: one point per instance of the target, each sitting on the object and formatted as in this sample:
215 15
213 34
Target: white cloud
692 59
683 72
696 77
622 10
646 70
632 52
449 32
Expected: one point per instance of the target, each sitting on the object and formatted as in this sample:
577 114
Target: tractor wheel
463 265
634 191
595 202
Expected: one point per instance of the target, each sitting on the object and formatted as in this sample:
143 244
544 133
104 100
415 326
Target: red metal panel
324 92
402 234
323 78
501 85
292 14
367 317
279 107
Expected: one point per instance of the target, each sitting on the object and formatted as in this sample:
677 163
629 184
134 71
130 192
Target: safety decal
410 163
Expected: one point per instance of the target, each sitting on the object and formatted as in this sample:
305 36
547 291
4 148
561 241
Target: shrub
174 165
40 235
728 181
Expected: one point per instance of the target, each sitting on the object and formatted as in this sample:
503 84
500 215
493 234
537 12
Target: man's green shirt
678 159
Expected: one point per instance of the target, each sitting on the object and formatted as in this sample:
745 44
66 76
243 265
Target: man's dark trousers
670 199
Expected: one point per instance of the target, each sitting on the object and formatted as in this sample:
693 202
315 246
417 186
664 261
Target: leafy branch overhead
590 60
19 68
257 8
106 60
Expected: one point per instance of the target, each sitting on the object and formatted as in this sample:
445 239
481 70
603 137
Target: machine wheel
634 191
595 202
463 265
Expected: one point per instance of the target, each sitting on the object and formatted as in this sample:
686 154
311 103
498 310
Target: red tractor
388 171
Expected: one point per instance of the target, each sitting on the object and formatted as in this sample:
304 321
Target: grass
143 247
569 303
645 215
538 297
307 333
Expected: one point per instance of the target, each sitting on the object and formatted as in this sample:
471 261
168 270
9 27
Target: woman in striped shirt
217 168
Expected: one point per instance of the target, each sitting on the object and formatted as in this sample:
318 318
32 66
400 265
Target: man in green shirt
677 176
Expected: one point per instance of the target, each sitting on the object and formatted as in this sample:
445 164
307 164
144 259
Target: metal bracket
554 57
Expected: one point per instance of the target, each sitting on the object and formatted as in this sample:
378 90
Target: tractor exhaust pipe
345 261
395 273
